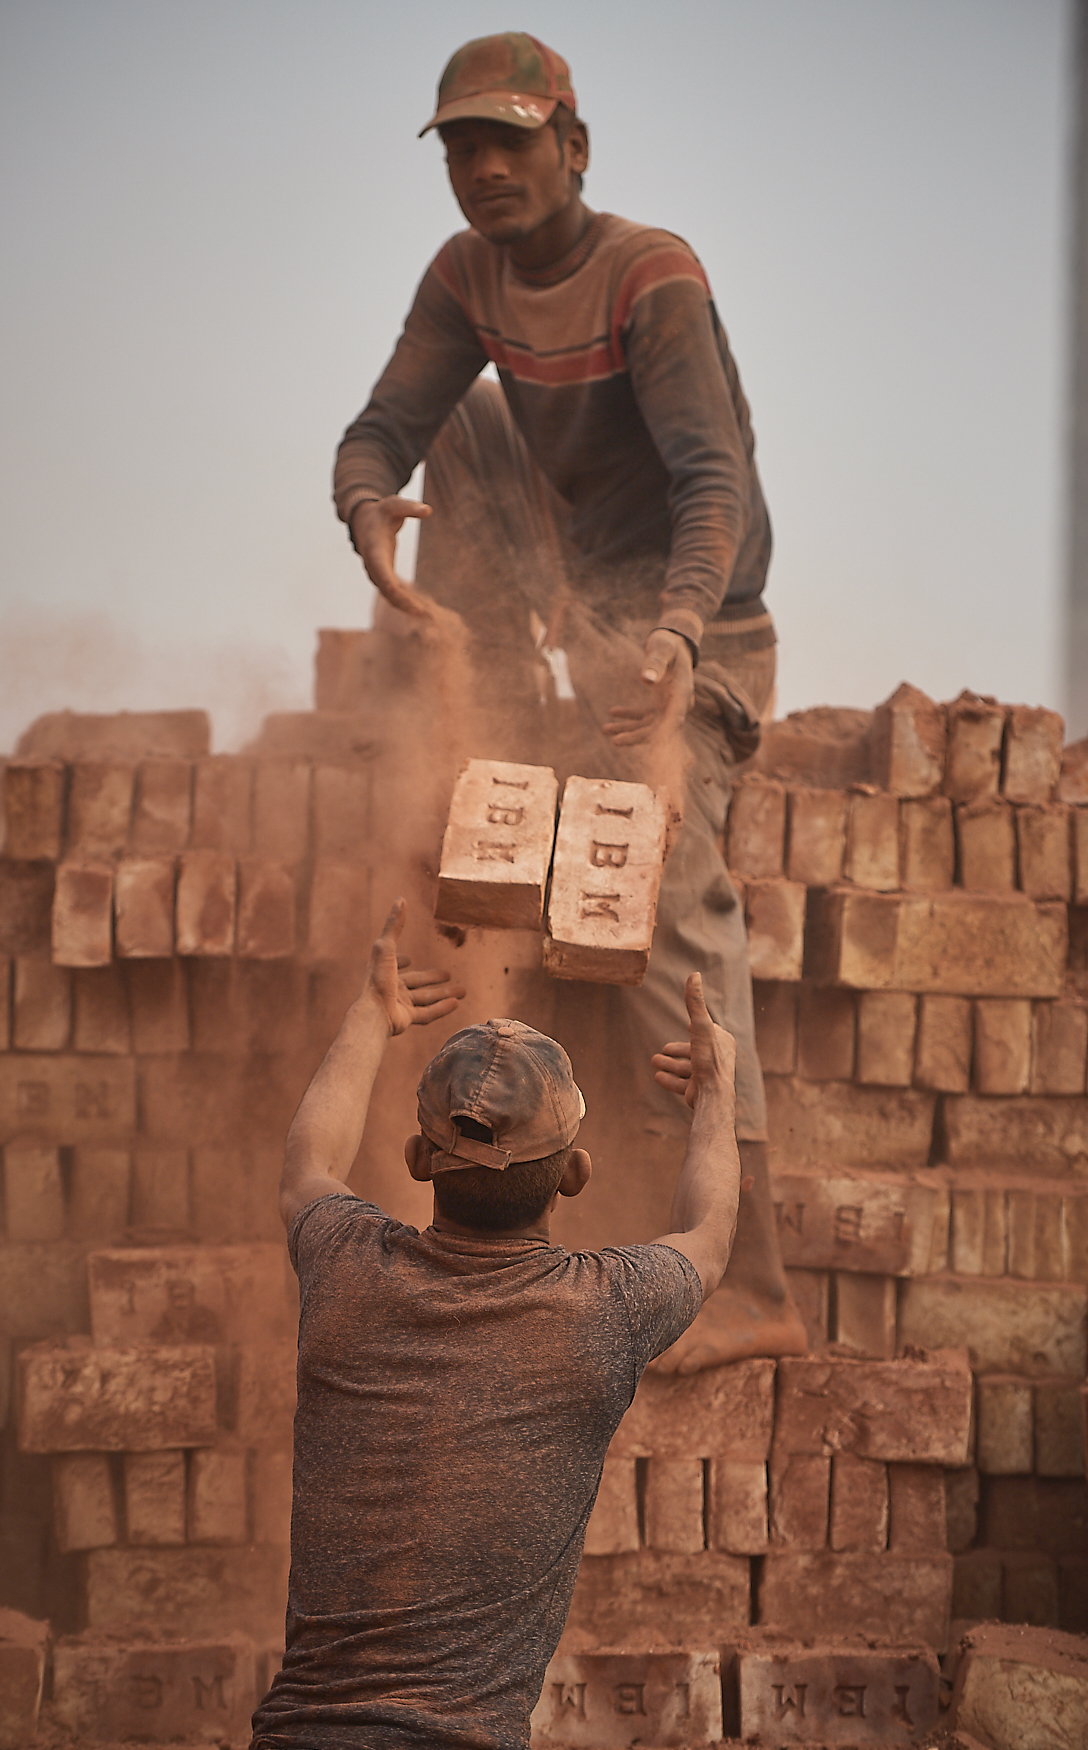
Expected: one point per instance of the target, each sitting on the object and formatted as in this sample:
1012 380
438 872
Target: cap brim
514 108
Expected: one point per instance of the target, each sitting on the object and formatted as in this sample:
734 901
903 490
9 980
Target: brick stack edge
178 932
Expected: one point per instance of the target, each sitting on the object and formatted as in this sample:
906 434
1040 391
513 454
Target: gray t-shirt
455 1401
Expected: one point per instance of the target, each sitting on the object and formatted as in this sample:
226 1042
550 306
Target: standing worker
457 1389
600 508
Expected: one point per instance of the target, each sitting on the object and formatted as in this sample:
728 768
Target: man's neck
553 239
534 1230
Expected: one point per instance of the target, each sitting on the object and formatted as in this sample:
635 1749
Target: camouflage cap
509 1079
509 78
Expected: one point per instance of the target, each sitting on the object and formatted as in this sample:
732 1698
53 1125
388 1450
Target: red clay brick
850 938
606 871
910 737
608 1700
160 1188
1002 1055
979 1231
865 1313
43 1288
961 1509
625 1600
819 1121
342 810
281 809
878 1597
1047 1515
266 910
101 1180
977 1586
272 1493
817 836
1037 1238
986 846
613 1523
1059 1047
1008 1327
154 1689
776 1026
33 1191
222 804
163 807
726 1412
674 1504
859 1503
1012 1683
886 1022
154 1498
101 1019
943 1052
927 844
737 1506
798 1500
1059 1431
216 1502
1045 852
144 907
83 914
158 1005
804 1694
207 883
42 1008
825 1033
1004 1442
193 1592
1044 1135
192 1294
1033 753
872 841
497 846
876 1222
811 1296
775 916
99 809
757 829
917 1509
69 1099
73 1398
896 1411
23 1646
973 762
83 1507
981 945
34 809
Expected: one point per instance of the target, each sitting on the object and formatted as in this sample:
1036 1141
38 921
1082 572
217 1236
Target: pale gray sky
214 215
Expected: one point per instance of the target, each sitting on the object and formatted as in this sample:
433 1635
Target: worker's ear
417 1158
576 1173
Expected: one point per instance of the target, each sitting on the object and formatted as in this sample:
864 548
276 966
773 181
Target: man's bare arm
324 1137
704 1206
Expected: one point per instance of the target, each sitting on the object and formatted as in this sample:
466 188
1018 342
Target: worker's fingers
403 596
405 507
676 1048
674 1084
422 1017
424 978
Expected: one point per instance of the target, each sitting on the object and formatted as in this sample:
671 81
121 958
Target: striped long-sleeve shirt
618 374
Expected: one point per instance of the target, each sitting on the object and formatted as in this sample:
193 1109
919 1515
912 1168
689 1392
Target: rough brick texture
83 914
607 1700
73 1398
154 1690
897 1411
726 1412
609 850
832 1695
497 846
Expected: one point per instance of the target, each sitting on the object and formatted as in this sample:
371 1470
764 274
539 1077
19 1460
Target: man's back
456 1397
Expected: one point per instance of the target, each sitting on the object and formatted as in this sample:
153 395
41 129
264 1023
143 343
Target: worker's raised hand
667 671
409 999
375 526
705 1061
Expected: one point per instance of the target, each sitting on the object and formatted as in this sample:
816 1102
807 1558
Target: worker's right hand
703 1062
407 999
375 525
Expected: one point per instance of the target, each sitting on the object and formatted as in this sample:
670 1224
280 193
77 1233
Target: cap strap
468 1152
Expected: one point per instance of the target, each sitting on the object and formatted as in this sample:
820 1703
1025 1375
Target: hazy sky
214 213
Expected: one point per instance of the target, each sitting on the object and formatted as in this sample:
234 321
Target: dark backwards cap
515 1082
510 78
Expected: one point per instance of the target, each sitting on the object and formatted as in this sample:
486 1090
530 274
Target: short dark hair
484 1198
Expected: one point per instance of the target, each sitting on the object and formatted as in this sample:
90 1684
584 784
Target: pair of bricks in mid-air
604 857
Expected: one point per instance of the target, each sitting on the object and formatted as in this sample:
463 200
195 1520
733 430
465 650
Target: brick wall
179 934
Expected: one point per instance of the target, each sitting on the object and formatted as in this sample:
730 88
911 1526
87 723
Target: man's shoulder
630 239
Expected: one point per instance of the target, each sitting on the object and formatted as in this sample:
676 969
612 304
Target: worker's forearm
328 1125
708 1189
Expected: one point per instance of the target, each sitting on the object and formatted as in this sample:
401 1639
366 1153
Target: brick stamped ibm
609 852
497 846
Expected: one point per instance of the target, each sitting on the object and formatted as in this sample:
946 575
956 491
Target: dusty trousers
494 550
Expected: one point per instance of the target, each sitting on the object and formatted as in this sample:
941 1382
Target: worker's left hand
667 672
409 999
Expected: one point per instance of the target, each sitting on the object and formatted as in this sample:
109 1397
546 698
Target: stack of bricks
916 887
179 935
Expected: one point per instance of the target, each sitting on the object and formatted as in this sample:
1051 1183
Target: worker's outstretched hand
705 1060
410 999
667 671
374 528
